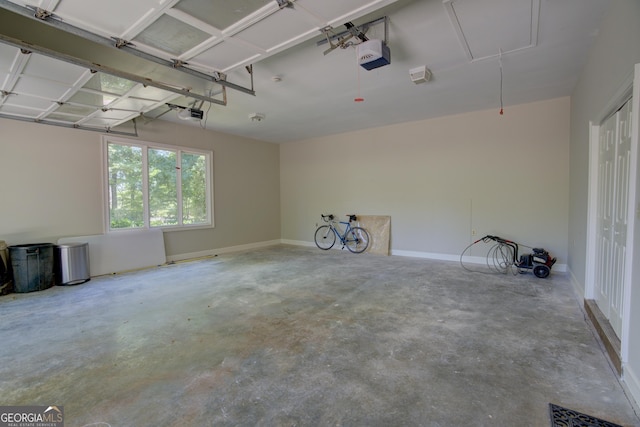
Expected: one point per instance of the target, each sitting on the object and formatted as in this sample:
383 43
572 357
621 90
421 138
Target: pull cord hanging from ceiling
501 72
358 98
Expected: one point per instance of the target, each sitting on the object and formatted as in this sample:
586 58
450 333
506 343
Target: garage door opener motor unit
373 54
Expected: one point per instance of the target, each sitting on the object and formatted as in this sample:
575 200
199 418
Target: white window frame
145 146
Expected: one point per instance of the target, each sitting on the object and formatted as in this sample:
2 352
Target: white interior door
623 163
606 190
613 196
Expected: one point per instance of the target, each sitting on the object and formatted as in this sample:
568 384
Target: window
153 185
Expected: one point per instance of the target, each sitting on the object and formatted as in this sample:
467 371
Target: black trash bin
32 266
6 281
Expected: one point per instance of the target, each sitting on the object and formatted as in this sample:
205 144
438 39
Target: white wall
632 372
611 62
51 180
439 179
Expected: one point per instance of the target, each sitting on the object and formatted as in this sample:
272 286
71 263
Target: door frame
630 86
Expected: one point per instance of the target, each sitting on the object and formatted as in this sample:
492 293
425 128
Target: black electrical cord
502 256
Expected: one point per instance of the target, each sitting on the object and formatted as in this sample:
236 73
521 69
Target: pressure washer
503 256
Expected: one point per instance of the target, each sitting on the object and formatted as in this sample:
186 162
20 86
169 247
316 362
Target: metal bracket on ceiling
341 42
219 77
177 63
41 13
386 29
249 69
284 3
122 42
357 31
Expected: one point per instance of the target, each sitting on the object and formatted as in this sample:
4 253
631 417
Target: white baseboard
578 289
297 243
217 251
632 384
394 252
560 267
428 255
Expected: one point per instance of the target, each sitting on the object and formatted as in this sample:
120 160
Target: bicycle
356 239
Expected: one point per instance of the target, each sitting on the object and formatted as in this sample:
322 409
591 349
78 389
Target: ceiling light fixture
256 117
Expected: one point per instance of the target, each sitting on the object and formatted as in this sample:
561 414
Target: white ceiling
540 45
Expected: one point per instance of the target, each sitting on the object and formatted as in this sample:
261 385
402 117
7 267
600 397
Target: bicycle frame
343 236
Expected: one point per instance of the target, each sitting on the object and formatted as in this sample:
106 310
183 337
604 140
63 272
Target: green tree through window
163 193
194 184
126 205
152 186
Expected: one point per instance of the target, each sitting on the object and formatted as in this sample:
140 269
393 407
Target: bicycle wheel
357 240
325 237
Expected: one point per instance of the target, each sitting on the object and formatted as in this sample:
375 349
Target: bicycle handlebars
330 217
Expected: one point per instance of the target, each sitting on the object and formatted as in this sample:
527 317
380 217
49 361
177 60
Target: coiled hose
501 257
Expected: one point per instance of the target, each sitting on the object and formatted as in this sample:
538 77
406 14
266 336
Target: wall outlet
473 232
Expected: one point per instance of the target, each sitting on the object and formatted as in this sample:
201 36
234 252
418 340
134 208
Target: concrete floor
293 336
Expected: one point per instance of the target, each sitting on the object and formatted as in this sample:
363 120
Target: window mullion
179 185
145 187
209 187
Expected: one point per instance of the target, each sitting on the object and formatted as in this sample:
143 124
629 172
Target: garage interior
285 336
477 118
